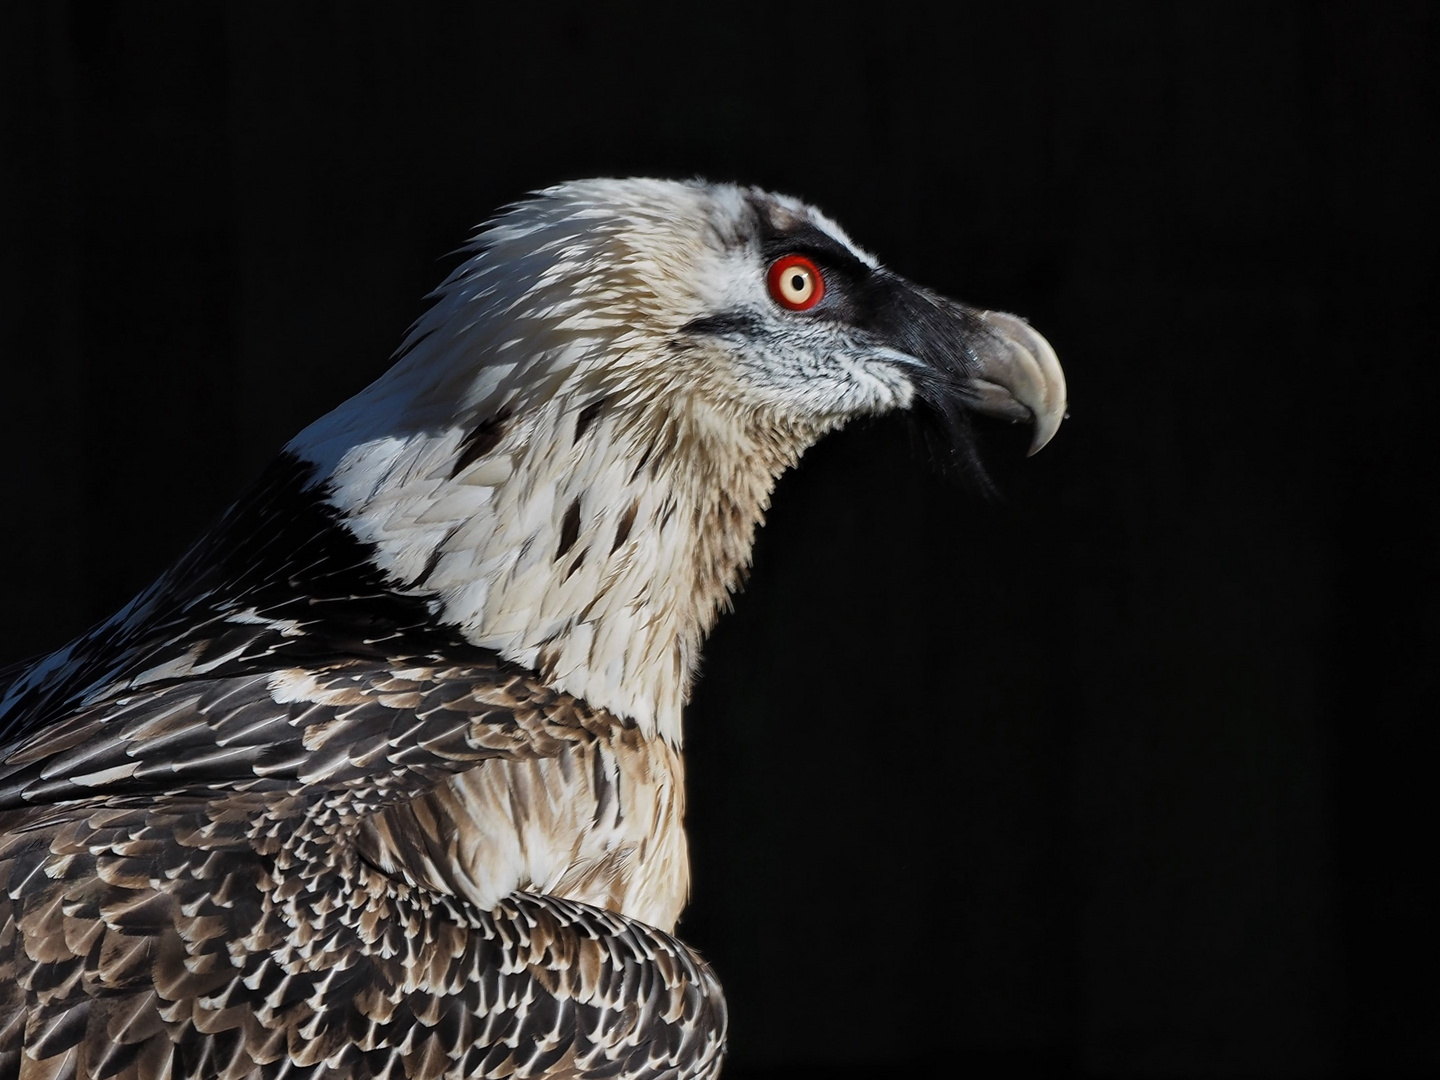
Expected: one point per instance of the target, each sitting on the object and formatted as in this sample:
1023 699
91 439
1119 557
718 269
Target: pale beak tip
1033 376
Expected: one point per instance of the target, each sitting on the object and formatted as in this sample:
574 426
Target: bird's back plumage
238 848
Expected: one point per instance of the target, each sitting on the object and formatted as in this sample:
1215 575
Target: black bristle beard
944 428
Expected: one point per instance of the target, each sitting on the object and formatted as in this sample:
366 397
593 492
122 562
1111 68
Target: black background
1128 772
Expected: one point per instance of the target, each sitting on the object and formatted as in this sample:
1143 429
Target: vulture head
570 456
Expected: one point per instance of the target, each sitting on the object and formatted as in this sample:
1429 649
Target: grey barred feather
385 777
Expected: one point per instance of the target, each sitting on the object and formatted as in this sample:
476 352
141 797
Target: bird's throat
588 546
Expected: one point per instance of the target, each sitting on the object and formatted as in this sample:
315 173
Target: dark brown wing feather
355 731
182 896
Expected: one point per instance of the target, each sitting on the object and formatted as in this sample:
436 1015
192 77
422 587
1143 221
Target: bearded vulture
384 778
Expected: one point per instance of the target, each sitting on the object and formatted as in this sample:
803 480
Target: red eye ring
795 282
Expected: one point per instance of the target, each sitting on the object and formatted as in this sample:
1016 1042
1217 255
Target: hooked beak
1017 376
971 360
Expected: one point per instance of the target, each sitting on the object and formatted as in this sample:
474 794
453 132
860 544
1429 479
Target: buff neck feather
592 539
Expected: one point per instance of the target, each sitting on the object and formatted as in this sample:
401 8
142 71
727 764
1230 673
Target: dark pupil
797 282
